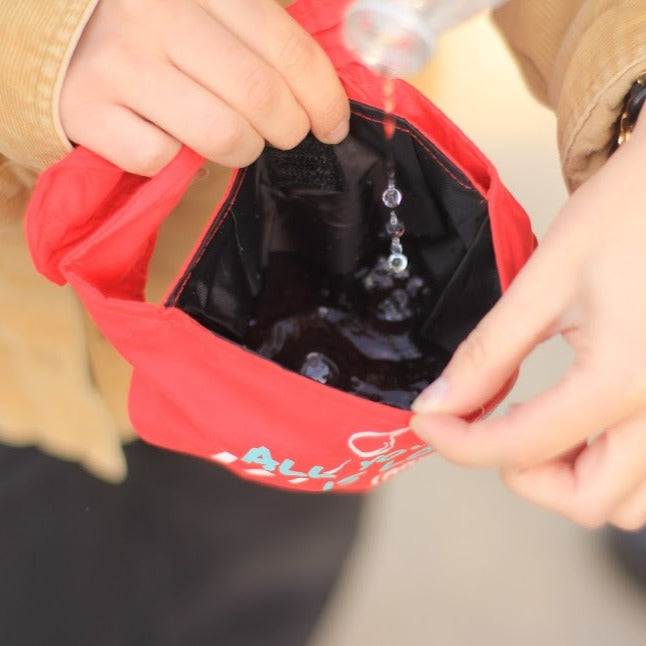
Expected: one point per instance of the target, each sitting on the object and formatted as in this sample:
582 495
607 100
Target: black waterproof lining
288 266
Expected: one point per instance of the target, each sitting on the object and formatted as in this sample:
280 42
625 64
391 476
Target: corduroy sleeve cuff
601 57
37 39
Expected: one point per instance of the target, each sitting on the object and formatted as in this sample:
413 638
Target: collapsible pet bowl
293 227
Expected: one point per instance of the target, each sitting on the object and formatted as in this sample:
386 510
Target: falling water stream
357 333
392 197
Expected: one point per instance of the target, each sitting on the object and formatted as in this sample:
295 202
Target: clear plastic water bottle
398 37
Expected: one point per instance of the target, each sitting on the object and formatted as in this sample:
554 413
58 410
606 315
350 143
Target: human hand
221 77
579 448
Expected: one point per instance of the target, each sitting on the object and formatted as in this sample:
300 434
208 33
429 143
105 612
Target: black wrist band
632 106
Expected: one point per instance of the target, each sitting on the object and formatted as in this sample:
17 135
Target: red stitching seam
423 144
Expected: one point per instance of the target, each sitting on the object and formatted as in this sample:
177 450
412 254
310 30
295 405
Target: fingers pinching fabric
285 350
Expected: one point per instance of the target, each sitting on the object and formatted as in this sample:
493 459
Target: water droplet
398 262
395 227
319 368
391 197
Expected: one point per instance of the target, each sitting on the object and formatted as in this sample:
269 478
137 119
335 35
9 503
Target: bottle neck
398 36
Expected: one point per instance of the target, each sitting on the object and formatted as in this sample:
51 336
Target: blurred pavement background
446 555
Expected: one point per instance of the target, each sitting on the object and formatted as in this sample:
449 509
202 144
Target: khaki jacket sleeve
37 39
580 57
48 395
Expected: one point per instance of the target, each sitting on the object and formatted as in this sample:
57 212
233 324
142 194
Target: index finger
275 36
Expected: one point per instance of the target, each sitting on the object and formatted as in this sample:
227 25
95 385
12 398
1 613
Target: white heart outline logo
388 440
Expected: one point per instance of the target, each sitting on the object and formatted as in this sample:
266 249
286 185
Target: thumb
486 360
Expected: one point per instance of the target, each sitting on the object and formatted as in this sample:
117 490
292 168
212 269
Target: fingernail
431 398
339 133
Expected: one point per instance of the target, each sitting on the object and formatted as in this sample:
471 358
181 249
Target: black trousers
182 553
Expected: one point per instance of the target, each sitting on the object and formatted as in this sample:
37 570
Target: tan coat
61 386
